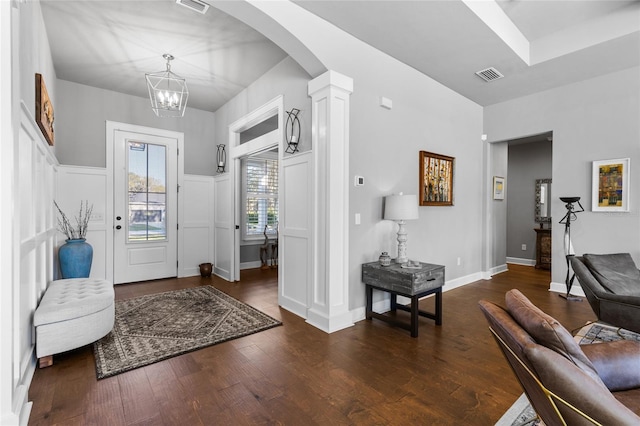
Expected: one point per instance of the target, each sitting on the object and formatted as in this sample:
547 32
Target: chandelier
167 91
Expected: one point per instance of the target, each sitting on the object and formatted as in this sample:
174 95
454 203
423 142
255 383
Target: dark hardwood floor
296 374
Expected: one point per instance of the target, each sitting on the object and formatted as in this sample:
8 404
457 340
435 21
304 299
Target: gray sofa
611 283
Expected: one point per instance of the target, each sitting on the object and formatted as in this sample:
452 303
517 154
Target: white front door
145 206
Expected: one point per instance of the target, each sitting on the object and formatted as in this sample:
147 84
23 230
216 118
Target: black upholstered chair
567 384
611 283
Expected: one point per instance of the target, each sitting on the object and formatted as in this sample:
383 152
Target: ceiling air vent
197 5
489 74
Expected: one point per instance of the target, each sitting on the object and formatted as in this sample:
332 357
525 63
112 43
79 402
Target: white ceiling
536 44
112 44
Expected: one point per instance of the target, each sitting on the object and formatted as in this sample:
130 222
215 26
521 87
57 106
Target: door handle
118 227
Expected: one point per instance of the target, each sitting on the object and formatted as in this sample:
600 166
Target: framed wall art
610 186
44 110
498 188
436 179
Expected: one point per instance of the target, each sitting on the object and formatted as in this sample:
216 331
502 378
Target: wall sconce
222 158
292 131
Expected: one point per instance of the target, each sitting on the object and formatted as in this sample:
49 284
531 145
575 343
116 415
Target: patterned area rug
152 328
521 413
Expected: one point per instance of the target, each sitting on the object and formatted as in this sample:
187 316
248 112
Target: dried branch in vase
82 221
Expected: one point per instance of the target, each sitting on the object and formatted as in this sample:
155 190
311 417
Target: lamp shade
401 207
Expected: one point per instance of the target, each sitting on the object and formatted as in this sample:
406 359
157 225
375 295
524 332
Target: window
260 176
147 192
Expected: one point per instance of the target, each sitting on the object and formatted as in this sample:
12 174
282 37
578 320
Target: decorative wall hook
292 131
222 158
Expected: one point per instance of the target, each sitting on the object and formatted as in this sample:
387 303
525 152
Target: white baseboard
462 281
576 290
498 270
250 265
520 261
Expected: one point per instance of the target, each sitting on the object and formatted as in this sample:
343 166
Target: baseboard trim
250 265
329 324
576 290
521 261
498 269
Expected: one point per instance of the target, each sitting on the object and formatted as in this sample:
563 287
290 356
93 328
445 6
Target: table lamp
400 208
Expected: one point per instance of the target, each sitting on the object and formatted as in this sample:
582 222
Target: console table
413 283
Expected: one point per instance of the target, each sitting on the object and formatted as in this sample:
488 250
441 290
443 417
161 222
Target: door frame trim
237 151
111 128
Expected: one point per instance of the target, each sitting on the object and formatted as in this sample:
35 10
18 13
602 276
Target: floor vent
489 74
197 5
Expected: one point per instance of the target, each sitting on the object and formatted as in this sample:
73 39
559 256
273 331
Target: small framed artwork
498 188
436 179
44 110
610 186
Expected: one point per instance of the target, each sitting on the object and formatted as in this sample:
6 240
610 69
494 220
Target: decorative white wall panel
76 184
197 223
223 226
28 177
296 219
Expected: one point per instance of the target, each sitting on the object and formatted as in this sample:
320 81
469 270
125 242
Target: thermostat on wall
358 181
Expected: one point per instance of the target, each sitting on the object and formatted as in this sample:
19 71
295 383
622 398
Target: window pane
261 212
147 192
261 186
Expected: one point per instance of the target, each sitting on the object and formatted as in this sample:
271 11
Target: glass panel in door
147 173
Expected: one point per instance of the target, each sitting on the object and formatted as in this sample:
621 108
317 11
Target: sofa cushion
617 272
548 332
72 298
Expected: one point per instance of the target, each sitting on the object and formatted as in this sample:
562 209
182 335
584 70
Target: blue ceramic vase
75 258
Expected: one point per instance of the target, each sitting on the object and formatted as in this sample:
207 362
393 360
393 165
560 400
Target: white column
329 290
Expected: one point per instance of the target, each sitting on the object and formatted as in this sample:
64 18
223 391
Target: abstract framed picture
498 188
436 179
610 186
44 110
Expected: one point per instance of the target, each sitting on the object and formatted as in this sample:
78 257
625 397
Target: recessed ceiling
565 41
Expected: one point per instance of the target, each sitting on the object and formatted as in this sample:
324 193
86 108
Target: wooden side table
413 283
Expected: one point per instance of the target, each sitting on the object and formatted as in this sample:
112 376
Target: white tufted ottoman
72 313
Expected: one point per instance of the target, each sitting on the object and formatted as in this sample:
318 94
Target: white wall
288 79
35 57
595 119
384 148
81 113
